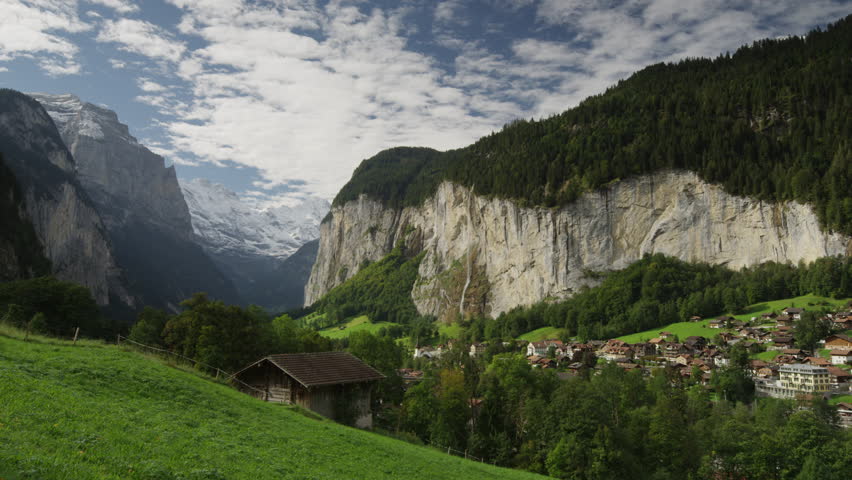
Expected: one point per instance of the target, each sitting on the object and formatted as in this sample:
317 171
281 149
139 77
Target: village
778 368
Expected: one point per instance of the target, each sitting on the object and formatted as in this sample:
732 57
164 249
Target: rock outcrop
489 255
142 205
65 219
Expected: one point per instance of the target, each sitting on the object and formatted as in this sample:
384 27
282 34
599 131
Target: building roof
803 368
323 368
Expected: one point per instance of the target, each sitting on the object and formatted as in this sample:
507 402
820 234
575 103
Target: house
695 318
818 361
767 317
795 313
336 385
838 342
695 342
658 344
844 414
644 349
617 353
842 323
782 343
427 352
784 321
541 348
839 376
477 349
841 357
667 335
794 352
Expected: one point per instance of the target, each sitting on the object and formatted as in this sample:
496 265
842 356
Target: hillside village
778 368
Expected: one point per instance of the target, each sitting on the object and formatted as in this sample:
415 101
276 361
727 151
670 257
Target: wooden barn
336 385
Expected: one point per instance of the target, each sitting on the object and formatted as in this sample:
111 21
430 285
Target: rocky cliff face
64 217
488 255
141 203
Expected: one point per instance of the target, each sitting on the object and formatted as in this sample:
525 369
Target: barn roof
323 368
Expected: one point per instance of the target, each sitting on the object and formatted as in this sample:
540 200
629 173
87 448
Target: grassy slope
357 324
95 411
686 329
543 333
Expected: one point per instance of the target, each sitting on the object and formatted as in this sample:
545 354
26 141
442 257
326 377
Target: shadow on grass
757 307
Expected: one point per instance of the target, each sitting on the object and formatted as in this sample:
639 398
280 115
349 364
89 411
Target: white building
841 357
794 380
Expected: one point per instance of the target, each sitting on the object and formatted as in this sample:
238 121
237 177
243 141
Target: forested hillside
770 121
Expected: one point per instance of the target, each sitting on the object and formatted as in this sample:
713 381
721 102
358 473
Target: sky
280 99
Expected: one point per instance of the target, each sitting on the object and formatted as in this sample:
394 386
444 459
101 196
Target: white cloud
148 85
4 69
40 28
117 64
144 38
120 6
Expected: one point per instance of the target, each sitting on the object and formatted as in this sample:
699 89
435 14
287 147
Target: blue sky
282 99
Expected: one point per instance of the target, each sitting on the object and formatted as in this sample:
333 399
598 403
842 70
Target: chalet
336 385
617 353
667 335
838 376
672 350
644 349
695 318
784 321
785 359
838 342
410 376
844 414
794 352
695 342
767 317
717 323
658 343
841 357
782 343
816 361
477 349
842 323
795 313
427 352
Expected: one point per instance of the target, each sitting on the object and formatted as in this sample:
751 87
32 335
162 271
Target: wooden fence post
118 339
76 332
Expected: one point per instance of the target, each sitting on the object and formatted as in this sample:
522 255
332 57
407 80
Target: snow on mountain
230 225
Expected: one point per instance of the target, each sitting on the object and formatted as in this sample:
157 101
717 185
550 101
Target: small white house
841 357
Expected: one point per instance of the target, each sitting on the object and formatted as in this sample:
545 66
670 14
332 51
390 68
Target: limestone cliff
63 216
489 254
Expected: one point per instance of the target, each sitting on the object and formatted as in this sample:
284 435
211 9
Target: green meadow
356 324
95 411
687 329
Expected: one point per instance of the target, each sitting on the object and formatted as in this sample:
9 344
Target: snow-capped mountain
228 224
266 252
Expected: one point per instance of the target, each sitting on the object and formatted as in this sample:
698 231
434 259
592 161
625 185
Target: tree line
618 424
770 121
658 290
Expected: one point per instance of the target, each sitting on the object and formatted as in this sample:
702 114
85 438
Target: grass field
840 399
357 324
766 356
544 333
93 411
686 329
453 330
